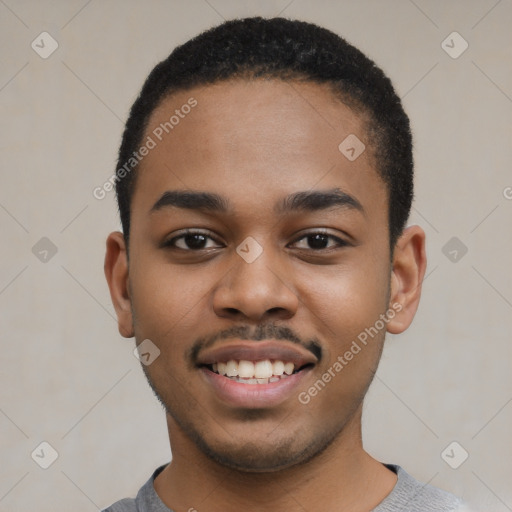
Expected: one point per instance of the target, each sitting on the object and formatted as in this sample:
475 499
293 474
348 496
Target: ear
409 264
116 272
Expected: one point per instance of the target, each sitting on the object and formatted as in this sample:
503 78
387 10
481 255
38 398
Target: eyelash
339 242
172 242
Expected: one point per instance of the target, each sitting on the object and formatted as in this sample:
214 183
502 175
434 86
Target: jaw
257 443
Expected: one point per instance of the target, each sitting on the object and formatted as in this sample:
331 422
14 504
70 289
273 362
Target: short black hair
256 47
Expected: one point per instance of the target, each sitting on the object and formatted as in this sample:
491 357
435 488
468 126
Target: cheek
167 310
345 312
168 303
343 303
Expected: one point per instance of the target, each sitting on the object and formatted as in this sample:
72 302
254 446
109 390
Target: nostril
232 311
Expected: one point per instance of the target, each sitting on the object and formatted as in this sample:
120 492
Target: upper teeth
253 370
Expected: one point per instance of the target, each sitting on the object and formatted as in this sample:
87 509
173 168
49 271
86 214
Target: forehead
262 137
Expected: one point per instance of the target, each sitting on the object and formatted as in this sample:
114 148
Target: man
264 181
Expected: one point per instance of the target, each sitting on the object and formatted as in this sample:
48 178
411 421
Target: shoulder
126 505
147 499
414 496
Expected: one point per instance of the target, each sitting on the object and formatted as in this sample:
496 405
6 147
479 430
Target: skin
255 143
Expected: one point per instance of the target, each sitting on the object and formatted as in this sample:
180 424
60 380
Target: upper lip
257 351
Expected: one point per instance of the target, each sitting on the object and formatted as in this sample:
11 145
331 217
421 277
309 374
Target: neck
343 477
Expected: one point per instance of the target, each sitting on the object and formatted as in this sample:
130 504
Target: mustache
257 333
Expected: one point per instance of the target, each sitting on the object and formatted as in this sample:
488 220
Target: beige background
69 379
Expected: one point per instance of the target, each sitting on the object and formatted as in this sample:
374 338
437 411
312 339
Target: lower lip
253 396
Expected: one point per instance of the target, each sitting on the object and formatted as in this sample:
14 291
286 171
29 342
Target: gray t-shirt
408 495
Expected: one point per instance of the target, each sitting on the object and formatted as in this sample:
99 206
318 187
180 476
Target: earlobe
116 273
409 264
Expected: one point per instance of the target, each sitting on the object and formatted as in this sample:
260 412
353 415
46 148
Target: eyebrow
191 200
314 200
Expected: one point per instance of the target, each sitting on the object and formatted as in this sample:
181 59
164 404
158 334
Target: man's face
287 261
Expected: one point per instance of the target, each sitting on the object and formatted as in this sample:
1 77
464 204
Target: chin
258 444
251 458
263 455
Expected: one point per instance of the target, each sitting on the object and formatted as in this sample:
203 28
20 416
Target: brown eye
193 242
318 241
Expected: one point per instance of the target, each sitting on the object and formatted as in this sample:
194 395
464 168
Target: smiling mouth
255 372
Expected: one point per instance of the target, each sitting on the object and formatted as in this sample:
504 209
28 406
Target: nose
256 291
